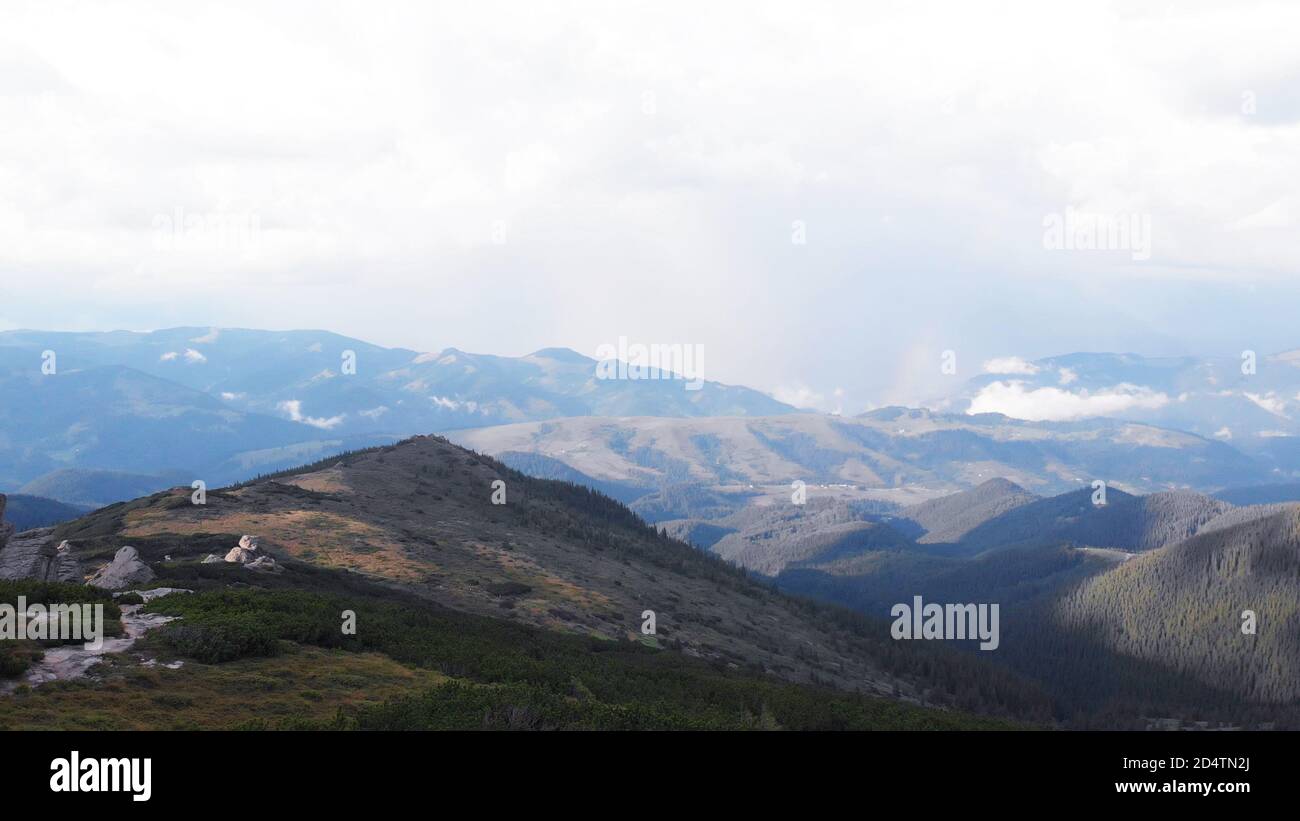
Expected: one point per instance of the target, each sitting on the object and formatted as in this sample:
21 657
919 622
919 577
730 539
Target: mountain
1121 639
1261 494
419 517
1248 399
949 518
224 404
1125 521
120 419
906 455
1182 606
96 488
28 512
766 539
528 613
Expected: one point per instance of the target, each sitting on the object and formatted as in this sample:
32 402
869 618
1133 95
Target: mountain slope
1182 606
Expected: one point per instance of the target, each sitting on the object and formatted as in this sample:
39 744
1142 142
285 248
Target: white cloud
208 338
1270 402
168 357
293 407
1011 365
1067 376
194 356
1054 404
1223 433
231 396
374 413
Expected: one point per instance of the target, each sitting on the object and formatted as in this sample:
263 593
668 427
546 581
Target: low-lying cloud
1013 398
293 407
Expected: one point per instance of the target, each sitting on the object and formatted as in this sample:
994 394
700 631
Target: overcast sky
506 177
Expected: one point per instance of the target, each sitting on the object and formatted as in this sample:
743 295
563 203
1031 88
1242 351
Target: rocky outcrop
33 555
250 555
6 529
126 570
246 551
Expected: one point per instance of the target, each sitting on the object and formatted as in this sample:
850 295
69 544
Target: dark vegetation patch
515 676
17 655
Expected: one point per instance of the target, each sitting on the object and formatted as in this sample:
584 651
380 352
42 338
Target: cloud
293 407
231 396
1270 402
1056 405
374 413
1067 376
208 338
1011 365
1223 433
693 154
192 356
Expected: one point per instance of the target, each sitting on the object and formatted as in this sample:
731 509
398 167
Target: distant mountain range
224 404
1251 400
125 413
917 453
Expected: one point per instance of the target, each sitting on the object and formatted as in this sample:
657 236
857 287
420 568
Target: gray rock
126 570
212 558
266 564
32 555
6 529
